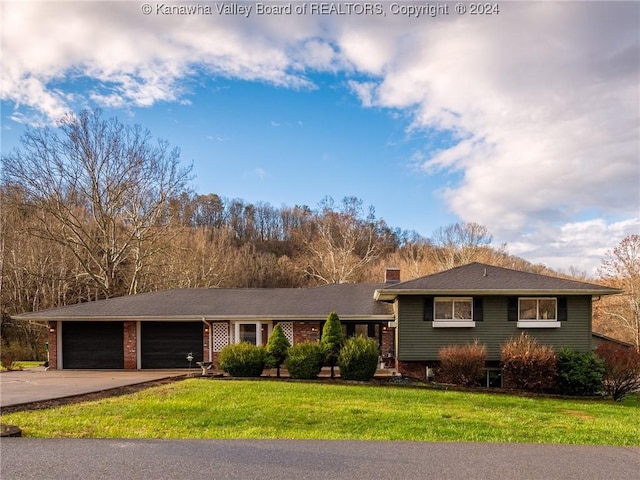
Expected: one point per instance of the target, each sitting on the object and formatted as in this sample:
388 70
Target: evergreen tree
332 340
277 347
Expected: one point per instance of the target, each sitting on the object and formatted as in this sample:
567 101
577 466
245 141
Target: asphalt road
93 459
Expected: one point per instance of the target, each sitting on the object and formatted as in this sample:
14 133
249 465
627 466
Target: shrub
9 355
528 365
578 373
358 359
332 340
276 348
463 364
242 360
621 370
304 360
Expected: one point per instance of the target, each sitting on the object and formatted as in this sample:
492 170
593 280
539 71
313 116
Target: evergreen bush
277 347
332 340
462 364
242 360
578 373
358 359
528 365
304 360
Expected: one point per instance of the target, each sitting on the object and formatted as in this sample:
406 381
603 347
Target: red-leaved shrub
462 364
621 370
527 365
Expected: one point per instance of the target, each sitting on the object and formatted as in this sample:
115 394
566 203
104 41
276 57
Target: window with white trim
453 312
537 309
538 312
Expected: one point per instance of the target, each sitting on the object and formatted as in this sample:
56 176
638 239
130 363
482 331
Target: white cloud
541 100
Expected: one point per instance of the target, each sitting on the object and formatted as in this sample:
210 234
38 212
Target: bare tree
459 244
339 244
621 269
101 189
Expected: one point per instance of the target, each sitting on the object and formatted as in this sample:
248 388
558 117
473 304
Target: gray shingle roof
348 300
484 279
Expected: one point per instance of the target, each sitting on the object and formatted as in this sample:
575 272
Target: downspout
210 328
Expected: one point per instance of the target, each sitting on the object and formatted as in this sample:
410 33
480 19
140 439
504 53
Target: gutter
388 294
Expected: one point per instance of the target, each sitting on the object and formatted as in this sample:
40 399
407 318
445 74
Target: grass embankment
214 409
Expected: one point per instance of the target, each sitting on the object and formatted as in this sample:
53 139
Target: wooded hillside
96 209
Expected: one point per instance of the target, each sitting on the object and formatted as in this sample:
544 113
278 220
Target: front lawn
245 409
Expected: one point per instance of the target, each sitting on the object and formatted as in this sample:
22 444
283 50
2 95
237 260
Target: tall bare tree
621 269
339 243
101 189
459 244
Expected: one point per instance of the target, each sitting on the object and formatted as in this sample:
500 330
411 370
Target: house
159 329
411 320
490 304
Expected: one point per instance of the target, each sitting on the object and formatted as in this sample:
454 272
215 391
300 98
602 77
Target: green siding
419 341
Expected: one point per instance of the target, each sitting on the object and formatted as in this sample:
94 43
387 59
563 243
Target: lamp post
190 359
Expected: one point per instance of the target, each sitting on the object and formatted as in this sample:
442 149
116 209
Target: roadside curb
9 431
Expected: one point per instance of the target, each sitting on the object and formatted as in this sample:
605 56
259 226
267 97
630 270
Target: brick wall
130 346
304 332
388 340
53 346
205 343
413 369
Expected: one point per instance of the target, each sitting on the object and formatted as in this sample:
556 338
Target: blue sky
525 121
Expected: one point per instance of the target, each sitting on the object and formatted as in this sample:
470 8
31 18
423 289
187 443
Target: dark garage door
92 345
167 344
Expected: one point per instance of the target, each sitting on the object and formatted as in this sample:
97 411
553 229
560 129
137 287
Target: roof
481 279
349 300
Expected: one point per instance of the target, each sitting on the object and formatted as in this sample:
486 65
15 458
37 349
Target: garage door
92 345
167 344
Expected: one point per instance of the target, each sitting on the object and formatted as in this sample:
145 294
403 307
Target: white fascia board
382 295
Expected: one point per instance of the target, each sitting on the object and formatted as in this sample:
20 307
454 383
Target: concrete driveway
38 384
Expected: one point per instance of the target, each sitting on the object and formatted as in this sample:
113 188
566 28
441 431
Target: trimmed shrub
332 340
358 358
621 370
578 373
242 360
304 360
463 364
276 348
528 365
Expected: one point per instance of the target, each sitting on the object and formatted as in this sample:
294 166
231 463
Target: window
255 333
538 313
453 312
247 333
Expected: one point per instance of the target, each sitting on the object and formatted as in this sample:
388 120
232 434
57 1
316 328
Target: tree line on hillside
95 209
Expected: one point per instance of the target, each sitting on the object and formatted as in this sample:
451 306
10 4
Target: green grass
25 364
242 409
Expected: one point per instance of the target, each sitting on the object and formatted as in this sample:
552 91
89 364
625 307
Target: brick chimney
391 275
